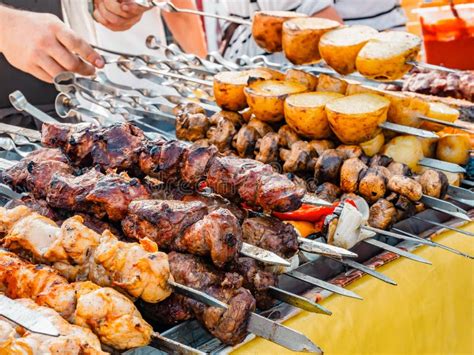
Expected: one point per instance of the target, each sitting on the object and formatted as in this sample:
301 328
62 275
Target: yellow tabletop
431 311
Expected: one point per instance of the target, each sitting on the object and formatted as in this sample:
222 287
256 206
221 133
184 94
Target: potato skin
266 106
342 58
300 76
300 43
267 28
355 128
308 121
328 83
441 112
405 186
454 148
405 110
374 145
404 149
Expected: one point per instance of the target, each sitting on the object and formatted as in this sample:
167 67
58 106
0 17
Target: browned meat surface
351 170
271 234
162 161
161 221
39 206
195 164
459 85
214 202
228 325
69 192
372 185
267 148
382 214
17 175
328 191
191 126
173 310
434 183
278 194
256 280
41 174
217 235
328 166
112 194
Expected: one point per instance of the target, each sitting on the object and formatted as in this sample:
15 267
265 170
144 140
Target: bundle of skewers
115 209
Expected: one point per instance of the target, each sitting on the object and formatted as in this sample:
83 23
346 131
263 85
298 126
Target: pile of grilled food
113 235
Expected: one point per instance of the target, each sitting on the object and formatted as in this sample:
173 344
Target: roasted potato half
339 47
439 111
406 110
356 118
301 38
305 113
405 149
328 83
454 148
300 76
229 87
266 97
267 28
385 56
374 145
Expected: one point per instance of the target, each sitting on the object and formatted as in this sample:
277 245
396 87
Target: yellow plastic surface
431 311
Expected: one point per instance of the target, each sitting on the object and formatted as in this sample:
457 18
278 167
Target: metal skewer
396 250
445 207
445 123
442 165
173 347
444 226
441 246
365 269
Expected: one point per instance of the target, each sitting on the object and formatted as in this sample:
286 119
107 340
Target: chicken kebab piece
78 253
106 312
124 147
73 340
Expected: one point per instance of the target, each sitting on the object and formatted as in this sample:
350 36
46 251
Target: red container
449 40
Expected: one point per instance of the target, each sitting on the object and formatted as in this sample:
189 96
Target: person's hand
43 46
118 15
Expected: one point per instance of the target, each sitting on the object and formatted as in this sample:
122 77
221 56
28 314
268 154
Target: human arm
187 29
42 45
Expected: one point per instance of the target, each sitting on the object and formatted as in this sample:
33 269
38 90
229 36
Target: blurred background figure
235 40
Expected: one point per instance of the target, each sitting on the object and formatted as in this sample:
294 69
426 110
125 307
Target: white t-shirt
380 14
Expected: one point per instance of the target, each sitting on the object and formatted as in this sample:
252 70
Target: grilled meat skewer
108 313
79 253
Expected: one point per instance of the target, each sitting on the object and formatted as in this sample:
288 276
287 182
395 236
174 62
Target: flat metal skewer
263 255
312 246
417 132
441 246
322 284
444 226
445 123
399 236
442 165
297 301
445 207
172 346
365 269
396 250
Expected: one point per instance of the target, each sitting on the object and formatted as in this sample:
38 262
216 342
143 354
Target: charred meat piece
38 205
267 148
382 214
195 164
17 175
214 202
287 136
271 234
256 280
351 171
405 186
191 126
161 221
112 194
245 141
380 160
328 166
399 169
217 235
228 325
173 310
328 191
41 174
276 193
434 183
372 185
163 160
69 192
